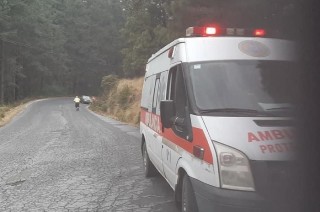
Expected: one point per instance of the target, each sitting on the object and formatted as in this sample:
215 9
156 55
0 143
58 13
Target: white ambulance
216 120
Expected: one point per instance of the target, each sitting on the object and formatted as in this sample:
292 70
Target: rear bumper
211 198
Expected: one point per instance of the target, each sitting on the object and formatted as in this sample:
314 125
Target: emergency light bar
216 31
201 31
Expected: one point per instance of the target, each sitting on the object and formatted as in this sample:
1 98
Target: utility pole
2 74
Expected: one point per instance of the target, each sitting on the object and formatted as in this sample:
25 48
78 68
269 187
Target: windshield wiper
238 111
233 110
280 108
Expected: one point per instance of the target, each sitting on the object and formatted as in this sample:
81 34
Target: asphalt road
53 158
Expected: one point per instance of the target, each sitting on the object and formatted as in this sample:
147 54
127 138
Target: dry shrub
124 97
108 83
3 110
122 101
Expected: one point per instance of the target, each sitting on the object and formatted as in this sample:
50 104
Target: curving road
53 158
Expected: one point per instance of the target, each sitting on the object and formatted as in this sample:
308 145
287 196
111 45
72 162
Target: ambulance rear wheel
149 169
188 202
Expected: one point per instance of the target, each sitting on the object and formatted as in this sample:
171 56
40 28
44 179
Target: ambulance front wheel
149 169
188 202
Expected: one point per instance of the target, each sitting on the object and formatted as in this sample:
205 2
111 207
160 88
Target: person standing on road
76 101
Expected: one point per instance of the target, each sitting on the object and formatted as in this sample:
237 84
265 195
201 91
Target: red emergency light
201 31
211 31
259 32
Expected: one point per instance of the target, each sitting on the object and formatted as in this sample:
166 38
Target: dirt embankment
8 112
120 99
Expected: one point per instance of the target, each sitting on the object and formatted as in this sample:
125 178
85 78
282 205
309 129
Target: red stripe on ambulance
199 139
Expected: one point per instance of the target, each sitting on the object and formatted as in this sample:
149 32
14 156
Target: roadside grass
3 110
121 101
8 111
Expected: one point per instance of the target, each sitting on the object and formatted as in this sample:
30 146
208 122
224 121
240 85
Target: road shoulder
9 115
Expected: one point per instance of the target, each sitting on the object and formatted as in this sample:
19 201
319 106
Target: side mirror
166 113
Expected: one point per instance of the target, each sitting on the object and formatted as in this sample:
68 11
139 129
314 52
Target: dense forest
65 47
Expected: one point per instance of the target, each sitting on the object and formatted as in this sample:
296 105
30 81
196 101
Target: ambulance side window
177 93
155 101
180 94
151 83
162 89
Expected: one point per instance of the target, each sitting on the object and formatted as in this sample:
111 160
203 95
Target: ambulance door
176 137
156 125
149 131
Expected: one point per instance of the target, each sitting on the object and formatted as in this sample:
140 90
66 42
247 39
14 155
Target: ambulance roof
232 48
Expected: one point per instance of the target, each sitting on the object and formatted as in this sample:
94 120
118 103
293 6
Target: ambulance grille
274 123
276 181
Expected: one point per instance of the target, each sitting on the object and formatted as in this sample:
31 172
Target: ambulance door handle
155 135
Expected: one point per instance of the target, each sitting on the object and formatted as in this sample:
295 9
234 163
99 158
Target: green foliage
92 41
32 47
144 33
54 90
58 46
109 83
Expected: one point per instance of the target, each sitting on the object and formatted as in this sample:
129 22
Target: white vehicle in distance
216 119
85 100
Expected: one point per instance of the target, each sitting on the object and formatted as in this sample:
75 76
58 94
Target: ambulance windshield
242 85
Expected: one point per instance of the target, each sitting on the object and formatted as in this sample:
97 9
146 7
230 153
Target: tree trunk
14 85
2 73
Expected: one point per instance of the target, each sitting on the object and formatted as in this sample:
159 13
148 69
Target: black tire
188 200
149 169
